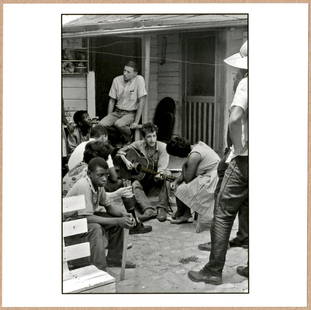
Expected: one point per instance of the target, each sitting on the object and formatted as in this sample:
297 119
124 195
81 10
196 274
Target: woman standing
196 185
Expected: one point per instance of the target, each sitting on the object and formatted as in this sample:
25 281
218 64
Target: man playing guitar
157 157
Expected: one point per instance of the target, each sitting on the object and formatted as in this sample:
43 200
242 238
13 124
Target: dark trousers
233 196
242 234
149 186
100 237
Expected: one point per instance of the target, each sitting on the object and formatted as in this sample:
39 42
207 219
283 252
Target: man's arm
163 157
191 166
72 141
235 126
140 106
111 105
125 221
123 150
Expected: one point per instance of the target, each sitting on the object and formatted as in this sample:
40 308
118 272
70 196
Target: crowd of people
207 184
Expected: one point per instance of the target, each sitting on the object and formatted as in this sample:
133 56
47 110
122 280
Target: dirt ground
164 257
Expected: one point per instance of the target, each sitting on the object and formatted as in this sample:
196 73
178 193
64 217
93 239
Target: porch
180 56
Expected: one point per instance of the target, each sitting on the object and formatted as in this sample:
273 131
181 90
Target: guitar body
139 162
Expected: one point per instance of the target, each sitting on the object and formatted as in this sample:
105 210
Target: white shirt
127 93
77 155
241 100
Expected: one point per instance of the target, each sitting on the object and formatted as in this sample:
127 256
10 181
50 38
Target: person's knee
106 121
94 230
120 124
136 185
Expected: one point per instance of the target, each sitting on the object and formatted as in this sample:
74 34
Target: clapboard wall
165 74
75 93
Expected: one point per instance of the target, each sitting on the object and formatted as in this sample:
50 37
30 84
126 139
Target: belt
120 110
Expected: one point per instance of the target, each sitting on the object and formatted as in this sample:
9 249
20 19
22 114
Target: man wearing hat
234 188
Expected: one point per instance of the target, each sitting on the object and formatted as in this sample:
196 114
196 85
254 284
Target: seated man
105 222
92 149
81 131
103 149
155 152
127 95
98 133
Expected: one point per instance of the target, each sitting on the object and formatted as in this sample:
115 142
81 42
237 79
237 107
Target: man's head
130 71
149 132
82 119
99 133
178 146
98 171
97 149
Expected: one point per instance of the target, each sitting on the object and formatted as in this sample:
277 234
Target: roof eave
144 30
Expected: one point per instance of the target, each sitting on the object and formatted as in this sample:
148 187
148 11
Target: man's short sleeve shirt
92 197
241 100
127 93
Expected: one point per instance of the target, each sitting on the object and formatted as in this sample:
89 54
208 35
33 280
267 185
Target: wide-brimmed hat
238 60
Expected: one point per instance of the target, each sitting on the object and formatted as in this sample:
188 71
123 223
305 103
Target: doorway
108 55
199 88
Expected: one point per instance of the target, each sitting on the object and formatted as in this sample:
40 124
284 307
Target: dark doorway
108 57
199 87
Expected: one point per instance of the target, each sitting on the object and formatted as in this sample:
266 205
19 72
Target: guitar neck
147 170
150 171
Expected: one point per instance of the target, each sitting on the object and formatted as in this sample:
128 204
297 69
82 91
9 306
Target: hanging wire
158 58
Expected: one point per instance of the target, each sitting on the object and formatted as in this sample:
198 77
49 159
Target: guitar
140 167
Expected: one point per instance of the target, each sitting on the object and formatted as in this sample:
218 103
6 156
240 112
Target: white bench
87 279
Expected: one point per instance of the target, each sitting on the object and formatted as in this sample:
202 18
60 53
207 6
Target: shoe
206 246
182 220
234 243
128 264
177 214
162 214
147 215
242 271
140 229
203 276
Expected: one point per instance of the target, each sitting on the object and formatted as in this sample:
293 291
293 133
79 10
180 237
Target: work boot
162 214
242 271
237 243
204 276
147 215
140 229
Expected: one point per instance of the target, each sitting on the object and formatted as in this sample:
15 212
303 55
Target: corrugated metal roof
94 25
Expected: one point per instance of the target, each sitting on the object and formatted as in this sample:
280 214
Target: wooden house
180 56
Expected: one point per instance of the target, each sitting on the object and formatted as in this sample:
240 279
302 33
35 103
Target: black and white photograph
155 153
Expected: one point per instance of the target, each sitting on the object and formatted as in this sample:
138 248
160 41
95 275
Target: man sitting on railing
105 222
127 95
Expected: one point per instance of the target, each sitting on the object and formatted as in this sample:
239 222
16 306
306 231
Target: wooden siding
153 82
74 94
169 75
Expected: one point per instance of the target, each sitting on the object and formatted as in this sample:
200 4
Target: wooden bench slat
73 203
76 251
74 227
87 278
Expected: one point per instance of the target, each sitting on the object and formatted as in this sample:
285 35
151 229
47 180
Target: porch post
146 54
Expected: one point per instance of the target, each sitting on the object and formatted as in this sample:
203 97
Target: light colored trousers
121 120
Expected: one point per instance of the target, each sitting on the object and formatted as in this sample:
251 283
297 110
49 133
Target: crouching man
105 222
